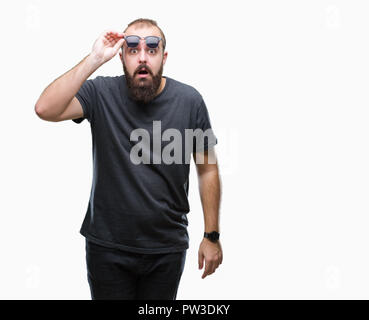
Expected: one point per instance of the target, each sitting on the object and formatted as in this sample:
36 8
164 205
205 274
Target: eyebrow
150 35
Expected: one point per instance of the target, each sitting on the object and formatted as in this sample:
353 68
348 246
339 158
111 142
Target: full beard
143 90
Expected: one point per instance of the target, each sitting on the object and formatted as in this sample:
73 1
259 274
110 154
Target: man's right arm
57 102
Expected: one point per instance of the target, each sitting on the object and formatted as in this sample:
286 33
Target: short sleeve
86 95
204 137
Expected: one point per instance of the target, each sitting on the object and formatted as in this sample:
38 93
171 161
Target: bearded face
143 84
143 64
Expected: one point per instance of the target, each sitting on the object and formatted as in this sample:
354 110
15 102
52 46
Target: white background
286 86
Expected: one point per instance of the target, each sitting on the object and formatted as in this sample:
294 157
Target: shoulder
106 80
186 91
103 83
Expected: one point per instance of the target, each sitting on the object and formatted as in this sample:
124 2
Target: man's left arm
210 192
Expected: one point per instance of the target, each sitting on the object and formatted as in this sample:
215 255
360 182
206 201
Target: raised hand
107 45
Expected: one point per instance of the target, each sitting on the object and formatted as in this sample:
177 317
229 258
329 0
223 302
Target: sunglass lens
132 41
152 42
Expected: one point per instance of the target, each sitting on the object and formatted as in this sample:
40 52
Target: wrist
94 62
213 236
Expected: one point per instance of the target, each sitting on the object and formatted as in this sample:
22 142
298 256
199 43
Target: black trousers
116 274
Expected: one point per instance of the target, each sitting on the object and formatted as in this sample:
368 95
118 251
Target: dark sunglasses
151 41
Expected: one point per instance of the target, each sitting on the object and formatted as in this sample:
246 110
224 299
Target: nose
142 55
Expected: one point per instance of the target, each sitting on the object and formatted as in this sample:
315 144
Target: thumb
118 44
201 260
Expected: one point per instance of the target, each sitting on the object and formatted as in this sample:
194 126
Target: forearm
210 193
56 97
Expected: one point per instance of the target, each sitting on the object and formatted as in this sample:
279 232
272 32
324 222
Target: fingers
212 265
118 44
209 268
201 260
113 34
112 37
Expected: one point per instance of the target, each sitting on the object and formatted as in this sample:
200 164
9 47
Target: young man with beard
136 220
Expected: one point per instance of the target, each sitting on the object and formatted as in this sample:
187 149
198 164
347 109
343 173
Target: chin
144 82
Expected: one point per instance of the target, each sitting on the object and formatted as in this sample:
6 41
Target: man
136 225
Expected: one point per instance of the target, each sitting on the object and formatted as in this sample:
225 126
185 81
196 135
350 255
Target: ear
165 57
121 55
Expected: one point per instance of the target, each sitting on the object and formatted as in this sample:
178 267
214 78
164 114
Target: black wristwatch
212 236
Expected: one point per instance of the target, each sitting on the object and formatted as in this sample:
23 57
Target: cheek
156 63
129 64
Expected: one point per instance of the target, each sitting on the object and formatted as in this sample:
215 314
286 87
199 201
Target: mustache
141 66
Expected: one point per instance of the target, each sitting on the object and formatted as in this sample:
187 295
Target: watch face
214 235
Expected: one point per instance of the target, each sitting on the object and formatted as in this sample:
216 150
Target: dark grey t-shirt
138 207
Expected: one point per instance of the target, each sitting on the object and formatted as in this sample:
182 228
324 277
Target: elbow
38 110
41 112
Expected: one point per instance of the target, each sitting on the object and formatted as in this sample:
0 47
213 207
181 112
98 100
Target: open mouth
143 73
